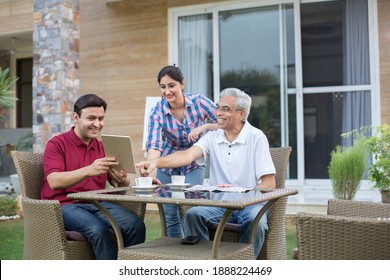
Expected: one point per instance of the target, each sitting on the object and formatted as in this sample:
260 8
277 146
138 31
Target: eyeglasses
225 109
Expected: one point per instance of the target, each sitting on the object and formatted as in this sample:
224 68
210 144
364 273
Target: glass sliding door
195 53
306 64
252 58
336 77
323 121
250 47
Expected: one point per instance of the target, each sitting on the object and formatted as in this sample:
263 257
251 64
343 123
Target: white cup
144 181
178 179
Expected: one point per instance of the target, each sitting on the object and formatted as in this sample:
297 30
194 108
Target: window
308 83
24 93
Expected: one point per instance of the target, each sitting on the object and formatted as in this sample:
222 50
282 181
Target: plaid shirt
168 135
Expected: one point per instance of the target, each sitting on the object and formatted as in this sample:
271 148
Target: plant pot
385 196
15 183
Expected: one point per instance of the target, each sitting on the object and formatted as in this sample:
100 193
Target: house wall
384 57
16 16
123 45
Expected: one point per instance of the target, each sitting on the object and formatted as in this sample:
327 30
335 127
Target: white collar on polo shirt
221 138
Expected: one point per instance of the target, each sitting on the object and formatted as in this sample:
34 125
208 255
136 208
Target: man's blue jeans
94 226
172 215
197 219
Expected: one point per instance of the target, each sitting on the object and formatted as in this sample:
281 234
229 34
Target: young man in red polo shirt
74 161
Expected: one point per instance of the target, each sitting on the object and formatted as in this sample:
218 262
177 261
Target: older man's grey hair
243 101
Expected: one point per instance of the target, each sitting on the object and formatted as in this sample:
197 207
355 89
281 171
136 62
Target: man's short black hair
88 100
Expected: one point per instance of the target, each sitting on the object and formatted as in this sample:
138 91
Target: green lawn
11 240
11 236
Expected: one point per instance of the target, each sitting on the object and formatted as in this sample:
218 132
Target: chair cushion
228 227
74 236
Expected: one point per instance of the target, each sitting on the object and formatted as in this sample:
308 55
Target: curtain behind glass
356 105
195 53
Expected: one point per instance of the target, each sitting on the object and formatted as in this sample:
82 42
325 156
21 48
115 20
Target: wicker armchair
274 246
44 233
351 230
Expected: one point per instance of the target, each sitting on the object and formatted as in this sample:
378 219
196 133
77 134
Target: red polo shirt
66 152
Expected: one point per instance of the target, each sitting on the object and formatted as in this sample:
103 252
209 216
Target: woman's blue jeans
94 226
172 215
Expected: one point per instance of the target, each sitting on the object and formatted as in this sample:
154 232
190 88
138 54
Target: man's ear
242 115
75 117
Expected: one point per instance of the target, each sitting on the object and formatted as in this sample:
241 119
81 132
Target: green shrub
7 96
7 206
346 169
379 145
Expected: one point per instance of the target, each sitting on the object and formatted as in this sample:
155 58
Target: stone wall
56 78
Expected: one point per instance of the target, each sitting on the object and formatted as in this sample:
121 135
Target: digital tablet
119 147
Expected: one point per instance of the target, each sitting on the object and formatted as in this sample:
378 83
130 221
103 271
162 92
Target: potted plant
7 96
7 99
346 169
379 145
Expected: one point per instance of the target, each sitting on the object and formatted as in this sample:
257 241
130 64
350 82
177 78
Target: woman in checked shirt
175 123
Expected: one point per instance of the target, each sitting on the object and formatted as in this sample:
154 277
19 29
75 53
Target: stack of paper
218 189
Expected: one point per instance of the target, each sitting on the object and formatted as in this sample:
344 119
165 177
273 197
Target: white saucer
147 188
180 186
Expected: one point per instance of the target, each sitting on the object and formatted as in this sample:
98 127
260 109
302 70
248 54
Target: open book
218 189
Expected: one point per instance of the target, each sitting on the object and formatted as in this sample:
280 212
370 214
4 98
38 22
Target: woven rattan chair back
274 247
30 173
351 230
280 157
44 233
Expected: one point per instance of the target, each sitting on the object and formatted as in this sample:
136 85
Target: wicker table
171 248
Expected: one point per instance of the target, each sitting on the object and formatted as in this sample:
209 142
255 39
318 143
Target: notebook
119 147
